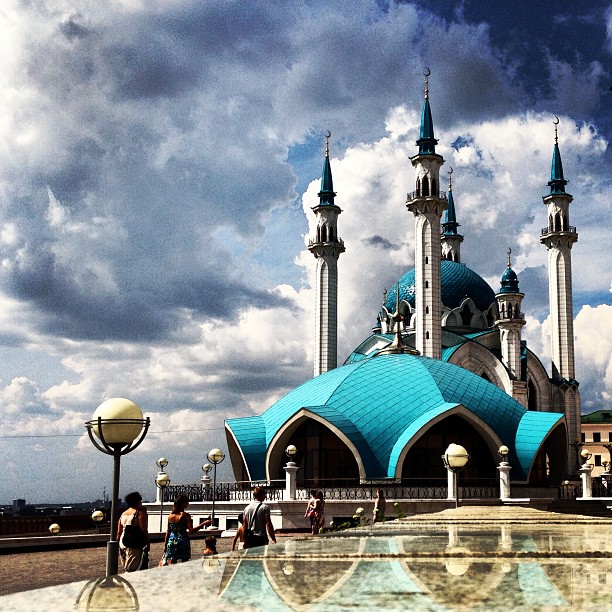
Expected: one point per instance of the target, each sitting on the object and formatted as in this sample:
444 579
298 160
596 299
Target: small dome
458 282
509 281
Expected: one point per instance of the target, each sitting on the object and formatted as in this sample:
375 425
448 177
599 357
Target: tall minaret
451 238
427 204
509 323
559 237
326 248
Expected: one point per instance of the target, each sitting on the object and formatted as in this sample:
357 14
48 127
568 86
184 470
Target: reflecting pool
416 567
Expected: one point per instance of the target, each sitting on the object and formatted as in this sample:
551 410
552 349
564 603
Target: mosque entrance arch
424 459
324 459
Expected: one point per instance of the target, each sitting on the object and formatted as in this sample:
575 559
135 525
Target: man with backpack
257 523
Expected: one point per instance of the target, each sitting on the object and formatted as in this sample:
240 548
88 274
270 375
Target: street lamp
162 480
120 428
291 452
215 456
54 529
586 454
97 516
206 481
503 453
455 459
577 445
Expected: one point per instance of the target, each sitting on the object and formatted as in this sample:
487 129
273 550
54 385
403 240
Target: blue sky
158 163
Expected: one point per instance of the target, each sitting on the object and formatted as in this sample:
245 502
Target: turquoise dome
509 281
458 282
382 403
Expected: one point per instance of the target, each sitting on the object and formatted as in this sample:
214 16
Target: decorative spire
426 142
509 279
450 224
557 182
398 345
327 195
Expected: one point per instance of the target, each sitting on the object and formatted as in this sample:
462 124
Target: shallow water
418 567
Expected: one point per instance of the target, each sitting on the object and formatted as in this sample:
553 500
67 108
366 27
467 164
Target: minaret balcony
568 230
415 195
313 241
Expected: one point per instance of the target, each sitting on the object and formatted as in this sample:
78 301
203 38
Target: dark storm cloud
162 131
381 243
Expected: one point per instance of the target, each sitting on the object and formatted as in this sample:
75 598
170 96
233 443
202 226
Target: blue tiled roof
458 282
382 402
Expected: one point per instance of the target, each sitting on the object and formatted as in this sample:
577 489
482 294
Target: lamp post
215 456
162 480
97 516
54 529
206 481
119 428
585 473
455 458
504 472
291 472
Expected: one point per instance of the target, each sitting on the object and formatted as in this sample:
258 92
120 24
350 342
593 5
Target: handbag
251 539
133 536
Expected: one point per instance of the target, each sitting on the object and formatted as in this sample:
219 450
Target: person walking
319 513
239 536
310 510
177 545
380 505
133 534
257 523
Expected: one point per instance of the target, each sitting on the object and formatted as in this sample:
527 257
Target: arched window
331 234
426 309
557 222
532 396
426 284
322 456
425 186
433 187
426 335
466 316
318 233
426 260
418 186
564 219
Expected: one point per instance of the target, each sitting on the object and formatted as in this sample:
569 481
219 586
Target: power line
75 435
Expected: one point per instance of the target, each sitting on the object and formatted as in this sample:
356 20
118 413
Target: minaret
509 323
559 237
427 204
326 248
451 238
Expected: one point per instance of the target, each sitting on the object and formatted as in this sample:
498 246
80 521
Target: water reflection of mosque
459 568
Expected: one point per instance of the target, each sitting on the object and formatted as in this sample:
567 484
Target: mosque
445 361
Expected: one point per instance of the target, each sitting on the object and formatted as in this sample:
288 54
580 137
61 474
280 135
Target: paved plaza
468 558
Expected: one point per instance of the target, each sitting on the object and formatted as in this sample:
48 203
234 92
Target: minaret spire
451 238
427 204
326 247
559 237
510 322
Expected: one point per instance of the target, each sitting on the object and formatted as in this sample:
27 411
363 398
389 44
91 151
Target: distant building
597 432
18 505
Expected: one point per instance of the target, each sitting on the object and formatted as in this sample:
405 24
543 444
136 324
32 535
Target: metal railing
334 489
549 230
413 195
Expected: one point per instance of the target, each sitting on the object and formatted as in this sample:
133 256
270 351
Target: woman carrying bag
133 534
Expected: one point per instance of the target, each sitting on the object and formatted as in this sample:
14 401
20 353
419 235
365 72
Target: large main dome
458 282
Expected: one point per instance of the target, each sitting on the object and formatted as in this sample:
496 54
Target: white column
290 481
585 476
504 480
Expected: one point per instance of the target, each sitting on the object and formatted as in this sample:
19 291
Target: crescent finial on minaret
327 137
556 122
450 183
427 73
509 253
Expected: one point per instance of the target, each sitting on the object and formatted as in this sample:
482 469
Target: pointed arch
425 186
276 448
409 438
418 186
434 187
